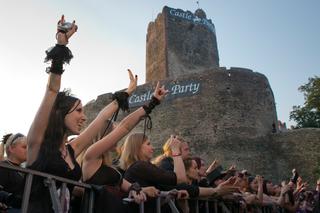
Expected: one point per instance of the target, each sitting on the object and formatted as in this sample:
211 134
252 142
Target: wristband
151 105
135 187
122 99
176 155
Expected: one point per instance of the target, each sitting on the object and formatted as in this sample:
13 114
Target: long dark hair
56 129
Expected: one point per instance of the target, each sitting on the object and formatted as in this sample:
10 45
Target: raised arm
40 122
125 126
178 164
57 56
88 135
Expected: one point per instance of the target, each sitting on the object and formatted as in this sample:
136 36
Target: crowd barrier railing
50 181
209 205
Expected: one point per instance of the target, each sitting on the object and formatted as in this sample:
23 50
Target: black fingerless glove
56 67
122 99
135 187
151 105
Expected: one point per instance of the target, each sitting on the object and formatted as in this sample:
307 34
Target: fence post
26 193
51 184
158 204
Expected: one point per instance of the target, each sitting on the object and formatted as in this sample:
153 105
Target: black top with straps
106 175
40 200
109 196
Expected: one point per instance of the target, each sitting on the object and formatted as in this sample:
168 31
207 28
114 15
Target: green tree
308 115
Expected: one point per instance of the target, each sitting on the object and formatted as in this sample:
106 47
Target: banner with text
176 90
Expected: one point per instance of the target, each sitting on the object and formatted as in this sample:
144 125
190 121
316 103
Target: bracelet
176 155
56 67
58 55
122 99
151 105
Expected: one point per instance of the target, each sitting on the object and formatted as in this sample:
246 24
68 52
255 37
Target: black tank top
106 175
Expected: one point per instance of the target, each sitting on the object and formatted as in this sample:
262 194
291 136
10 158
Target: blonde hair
131 150
10 140
167 152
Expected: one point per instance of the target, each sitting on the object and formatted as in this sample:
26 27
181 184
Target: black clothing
106 175
12 182
40 200
167 164
108 193
147 174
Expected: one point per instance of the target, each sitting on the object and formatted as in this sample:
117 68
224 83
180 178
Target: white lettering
175 89
196 88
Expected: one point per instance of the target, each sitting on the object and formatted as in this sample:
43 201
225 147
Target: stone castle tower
180 43
228 114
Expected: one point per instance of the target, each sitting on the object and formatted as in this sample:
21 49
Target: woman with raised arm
135 160
59 116
97 169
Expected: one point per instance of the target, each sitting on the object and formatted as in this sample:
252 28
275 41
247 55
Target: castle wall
228 114
180 43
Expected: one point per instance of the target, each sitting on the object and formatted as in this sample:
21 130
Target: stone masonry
228 114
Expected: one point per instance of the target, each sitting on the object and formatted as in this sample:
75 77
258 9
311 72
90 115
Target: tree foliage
308 115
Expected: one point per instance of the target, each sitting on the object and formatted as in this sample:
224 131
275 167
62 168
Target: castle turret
179 43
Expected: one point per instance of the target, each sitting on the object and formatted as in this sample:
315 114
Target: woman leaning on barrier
97 167
135 159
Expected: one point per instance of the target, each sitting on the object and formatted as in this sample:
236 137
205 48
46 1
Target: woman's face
146 151
74 121
18 150
193 171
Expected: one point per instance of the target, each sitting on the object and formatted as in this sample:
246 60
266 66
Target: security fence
198 205
50 181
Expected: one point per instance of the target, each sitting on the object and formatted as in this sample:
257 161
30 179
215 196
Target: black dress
40 201
107 182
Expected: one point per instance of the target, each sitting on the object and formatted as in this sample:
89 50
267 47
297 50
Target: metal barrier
50 182
209 205
166 196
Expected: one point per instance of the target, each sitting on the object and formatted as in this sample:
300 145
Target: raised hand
160 92
61 21
174 144
133 83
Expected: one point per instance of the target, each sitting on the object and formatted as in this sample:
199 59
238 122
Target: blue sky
279 38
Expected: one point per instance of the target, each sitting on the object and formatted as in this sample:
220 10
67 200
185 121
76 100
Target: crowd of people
133 171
